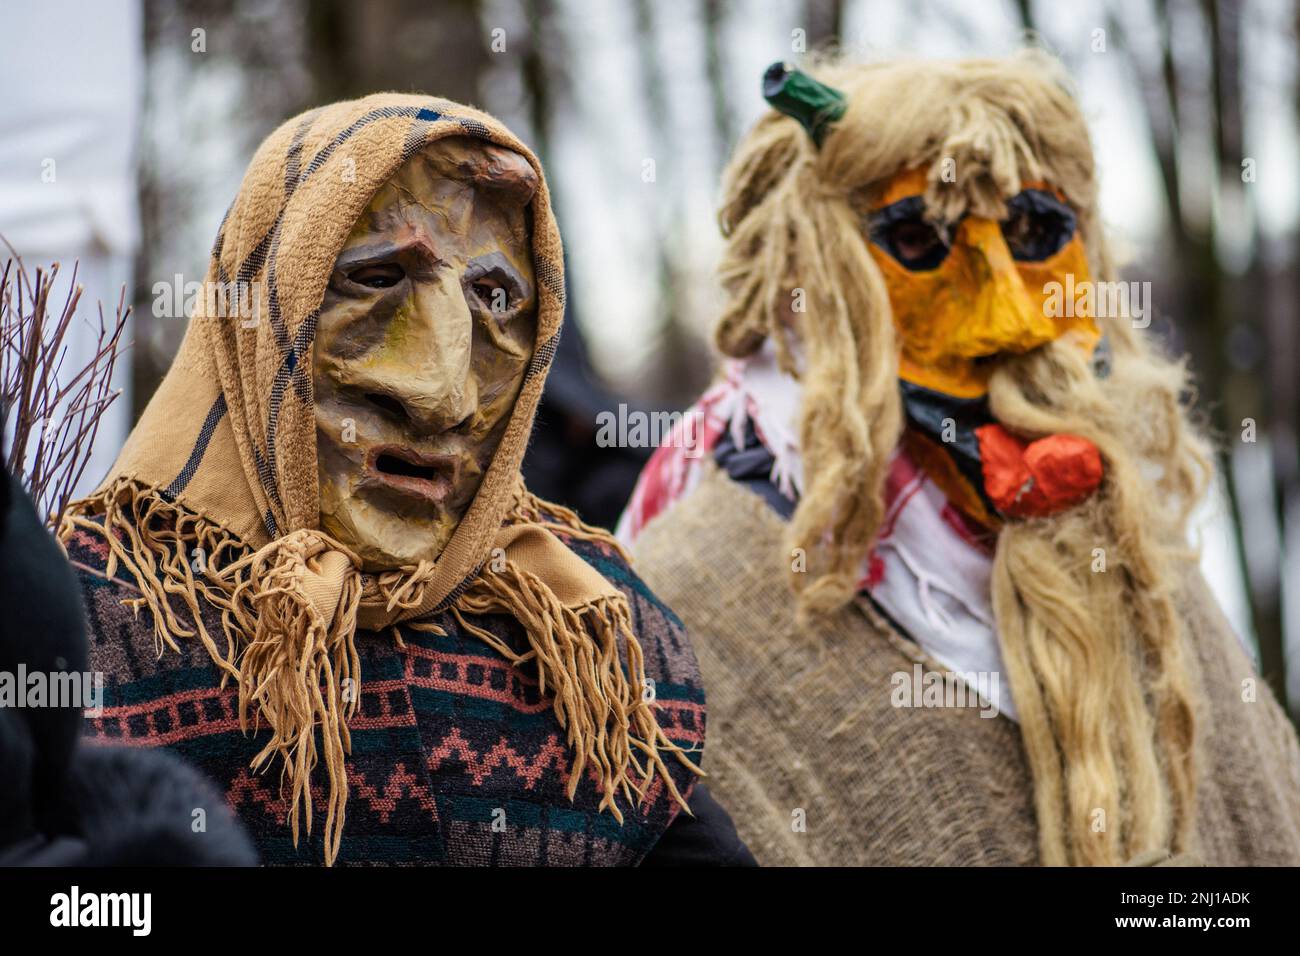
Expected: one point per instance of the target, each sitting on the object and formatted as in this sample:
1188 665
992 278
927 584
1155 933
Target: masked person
314 569
929 529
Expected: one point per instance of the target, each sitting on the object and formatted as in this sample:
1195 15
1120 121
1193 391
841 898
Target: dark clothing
707 838
65 804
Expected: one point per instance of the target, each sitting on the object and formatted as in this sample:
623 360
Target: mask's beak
1005 316
989 473
977 308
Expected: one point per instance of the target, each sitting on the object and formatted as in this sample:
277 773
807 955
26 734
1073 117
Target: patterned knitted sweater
457 758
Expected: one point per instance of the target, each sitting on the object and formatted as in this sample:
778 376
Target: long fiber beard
1094 647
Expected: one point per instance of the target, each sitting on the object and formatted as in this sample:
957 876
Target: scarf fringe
156 541
529 509
279 649
297 670
301 670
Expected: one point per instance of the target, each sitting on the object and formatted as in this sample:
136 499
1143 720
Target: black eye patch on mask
901 230
1037 226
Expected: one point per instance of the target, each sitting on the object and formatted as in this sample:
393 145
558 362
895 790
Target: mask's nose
1005 316
426 359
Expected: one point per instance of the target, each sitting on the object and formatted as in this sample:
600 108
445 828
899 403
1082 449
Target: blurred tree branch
1217 309
51 413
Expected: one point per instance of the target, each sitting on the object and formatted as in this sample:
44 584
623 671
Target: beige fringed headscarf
215 497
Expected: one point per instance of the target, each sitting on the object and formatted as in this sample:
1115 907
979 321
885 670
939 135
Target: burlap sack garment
817 766
224 461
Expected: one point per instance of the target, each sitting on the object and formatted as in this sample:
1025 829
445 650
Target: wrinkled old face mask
963 295
425 334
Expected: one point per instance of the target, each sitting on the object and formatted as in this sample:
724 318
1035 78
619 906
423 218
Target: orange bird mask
964 294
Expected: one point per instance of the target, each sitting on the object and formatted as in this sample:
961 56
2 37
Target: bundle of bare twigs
51 414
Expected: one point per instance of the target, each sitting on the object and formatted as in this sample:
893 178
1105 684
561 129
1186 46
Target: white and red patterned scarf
928 570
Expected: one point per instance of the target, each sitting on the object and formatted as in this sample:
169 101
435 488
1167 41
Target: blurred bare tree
51 406
219 76
1230 306
400 45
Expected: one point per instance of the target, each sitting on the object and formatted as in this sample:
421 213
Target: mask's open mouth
431 477
392 465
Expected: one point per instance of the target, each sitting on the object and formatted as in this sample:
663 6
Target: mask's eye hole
915 241
1038 225
493 296
494 287
383 275
901 230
